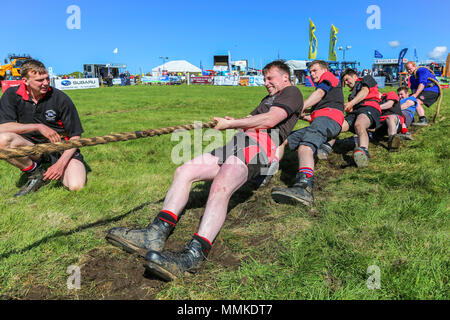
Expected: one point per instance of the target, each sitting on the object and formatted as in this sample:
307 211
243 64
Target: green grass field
393 215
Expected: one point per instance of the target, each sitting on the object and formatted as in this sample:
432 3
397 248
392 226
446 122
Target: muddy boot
171 265
421 123
142 240
394 143
361 157
301 192
324 151
35 182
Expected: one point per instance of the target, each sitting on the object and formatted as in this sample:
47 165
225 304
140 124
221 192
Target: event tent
176 66
297 64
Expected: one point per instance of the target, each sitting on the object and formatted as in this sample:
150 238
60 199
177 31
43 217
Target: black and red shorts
255 150
383 123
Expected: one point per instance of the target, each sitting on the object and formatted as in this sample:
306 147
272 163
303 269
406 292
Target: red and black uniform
332 104
55 110
395 110
327 116
256 148
370 106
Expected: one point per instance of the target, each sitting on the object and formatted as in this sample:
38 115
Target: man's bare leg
362 123
231 176
13 140
74 176
202 168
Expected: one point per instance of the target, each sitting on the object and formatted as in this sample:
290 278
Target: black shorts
53 157
244 148
321 130
373 114
428 97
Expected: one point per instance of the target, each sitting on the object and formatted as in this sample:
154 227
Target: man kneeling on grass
228 168
35 113
326 105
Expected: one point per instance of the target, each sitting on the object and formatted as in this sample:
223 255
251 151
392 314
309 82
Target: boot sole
361 159
160 272
415 124
288 198
125 245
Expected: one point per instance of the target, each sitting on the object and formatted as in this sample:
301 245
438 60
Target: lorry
11 70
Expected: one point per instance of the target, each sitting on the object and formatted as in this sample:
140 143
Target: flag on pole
415 55
312 41
333 39
400 59
229 61
378 55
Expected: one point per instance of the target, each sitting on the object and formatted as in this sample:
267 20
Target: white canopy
297 64
176 66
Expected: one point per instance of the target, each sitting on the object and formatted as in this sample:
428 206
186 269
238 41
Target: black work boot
34 182
171 265
141 240
394 143
301 192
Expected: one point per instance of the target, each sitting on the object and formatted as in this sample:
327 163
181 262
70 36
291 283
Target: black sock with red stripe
31 168
206 244
168 216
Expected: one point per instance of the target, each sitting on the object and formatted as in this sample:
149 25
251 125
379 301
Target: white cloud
437 52
394 44
116 50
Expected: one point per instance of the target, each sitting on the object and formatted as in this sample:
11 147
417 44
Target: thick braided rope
43 148
441 95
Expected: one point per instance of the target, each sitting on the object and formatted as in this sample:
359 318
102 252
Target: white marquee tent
176 66
297 64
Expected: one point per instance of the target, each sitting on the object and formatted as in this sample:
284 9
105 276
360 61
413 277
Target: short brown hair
405 89
280 64
34 66
322 63
349 72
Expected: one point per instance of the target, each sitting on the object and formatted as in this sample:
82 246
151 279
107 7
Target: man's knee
75 185
362 124
306 148
6 139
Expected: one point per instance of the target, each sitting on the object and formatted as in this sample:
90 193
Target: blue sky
195 30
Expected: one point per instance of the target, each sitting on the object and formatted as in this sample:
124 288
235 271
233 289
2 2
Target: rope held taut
44 148
441 95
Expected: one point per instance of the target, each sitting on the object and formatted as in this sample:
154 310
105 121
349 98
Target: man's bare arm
313 99
18 128
362 94
419 90
21 128
260 121
387 105
407 104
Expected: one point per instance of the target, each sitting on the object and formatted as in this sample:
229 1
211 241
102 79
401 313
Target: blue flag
400 59
378 55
